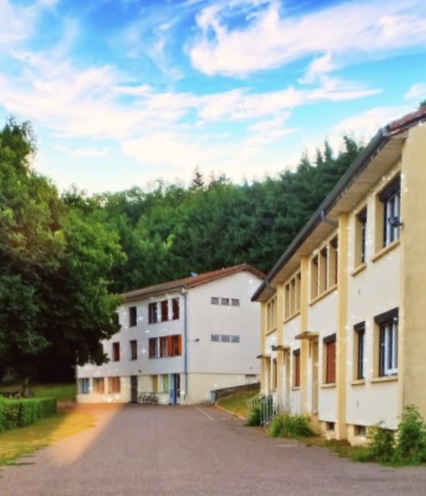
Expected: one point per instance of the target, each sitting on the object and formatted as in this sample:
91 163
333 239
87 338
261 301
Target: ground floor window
388 342
114 385
296 368
166 383
330 359
99 385
84 386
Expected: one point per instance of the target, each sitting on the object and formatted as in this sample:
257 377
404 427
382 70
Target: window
133 349
292 297
225 338
153 313
99 385
314 277
296 368
388 342
323 270
114 385
235 302
215 338
271 315
274 378
164 310
224 301
154 381
361 237
133 316
359 349
115 352
324 267
154 348
235 339
164 346
84 386
333 255
166 383
177 345
330 359
175 308
390 198
215 300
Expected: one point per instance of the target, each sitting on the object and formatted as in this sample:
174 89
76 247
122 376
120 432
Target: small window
215 338
114 385
225 338
166 383
330 359
235 302
359 347
84 386
164 346
274 375
388 342
154 348
361 237
175 308
296 368
360 430
164 310
224 301
98 385
330 426
115 352
235 339
215 300
391 199
133 317
133 349
153 313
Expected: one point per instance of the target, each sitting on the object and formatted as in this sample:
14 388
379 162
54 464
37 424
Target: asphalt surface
148 450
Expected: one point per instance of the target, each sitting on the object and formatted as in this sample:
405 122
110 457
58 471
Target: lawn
237 404
62 392
26 440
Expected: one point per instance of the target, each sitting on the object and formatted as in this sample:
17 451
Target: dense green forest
65 258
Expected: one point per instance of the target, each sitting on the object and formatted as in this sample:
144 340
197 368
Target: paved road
157 451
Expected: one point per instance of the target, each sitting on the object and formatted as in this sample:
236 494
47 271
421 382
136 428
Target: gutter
361 162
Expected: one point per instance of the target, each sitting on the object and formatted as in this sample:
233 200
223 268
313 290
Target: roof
384 149
190 282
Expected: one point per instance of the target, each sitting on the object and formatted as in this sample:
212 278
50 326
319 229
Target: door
174 389
134 388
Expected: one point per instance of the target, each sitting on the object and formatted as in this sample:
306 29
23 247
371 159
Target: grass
237 404
19 442
62 392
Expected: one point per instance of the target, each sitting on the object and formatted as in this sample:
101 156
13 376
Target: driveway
148 450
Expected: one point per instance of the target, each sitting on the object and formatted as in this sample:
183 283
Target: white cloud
360 30
416 92
103 153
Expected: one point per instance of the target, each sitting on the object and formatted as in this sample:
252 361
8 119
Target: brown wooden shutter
179 344
175 305
164 310
170 345
331 363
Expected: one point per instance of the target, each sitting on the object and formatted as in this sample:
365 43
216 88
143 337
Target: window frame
153 313
133 316
359 351
296 368
388 343
133 344
330 355
116 351
390 198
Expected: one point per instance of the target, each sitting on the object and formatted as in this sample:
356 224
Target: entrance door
134 388
174 389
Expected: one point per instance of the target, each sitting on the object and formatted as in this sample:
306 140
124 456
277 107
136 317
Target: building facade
343 337
180 340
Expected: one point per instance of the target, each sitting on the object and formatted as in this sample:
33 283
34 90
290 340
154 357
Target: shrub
411 437
20 413
382 443
294 426
254 417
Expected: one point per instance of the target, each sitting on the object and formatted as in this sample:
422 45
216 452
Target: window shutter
170 345
331 362
179 344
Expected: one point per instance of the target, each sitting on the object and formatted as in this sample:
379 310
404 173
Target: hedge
22 412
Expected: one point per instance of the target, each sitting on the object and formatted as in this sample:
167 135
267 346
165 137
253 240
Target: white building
180 340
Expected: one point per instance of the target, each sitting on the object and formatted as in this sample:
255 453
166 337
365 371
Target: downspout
183 292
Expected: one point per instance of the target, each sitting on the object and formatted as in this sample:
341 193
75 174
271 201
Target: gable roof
190 282
384 149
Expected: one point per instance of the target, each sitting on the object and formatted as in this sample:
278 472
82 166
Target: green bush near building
15 413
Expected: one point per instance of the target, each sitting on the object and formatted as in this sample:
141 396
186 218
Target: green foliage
381 444
293 426
411 437
254 417
20 413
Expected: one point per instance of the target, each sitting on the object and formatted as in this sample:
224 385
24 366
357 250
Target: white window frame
389 348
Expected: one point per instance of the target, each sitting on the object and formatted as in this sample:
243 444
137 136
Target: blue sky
123 92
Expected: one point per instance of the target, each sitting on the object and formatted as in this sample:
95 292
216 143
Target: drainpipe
184 293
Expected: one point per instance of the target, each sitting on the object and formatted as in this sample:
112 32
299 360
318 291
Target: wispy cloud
416 92
354 30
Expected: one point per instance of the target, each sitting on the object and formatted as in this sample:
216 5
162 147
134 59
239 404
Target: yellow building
343 334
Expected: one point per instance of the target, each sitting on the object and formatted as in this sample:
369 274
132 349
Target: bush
20 413
254 417
382 443
411 436
294 426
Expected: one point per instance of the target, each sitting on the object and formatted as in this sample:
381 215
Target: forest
65 257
